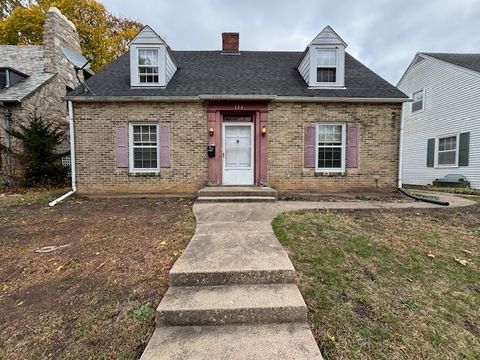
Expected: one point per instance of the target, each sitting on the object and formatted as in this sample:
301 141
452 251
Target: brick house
34 79
165 121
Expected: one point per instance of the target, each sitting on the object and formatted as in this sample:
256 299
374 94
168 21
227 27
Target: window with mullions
447 151
330 147
144 147
327 66
148 66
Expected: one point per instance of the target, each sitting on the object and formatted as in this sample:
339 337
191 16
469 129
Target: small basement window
327 66
144 149
148 66
330 148
417 103
447 150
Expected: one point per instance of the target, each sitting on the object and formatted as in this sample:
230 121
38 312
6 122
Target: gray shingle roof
250 73
27 59
468 61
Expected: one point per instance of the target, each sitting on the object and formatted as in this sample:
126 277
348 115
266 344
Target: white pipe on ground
72 157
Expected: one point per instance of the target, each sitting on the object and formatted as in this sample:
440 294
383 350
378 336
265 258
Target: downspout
400 155
72 158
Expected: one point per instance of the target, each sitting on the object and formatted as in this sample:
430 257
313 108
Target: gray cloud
382 34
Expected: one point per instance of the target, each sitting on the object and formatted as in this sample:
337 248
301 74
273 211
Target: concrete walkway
232 293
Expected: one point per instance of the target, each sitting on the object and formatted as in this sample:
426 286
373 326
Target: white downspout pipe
72 158
400 155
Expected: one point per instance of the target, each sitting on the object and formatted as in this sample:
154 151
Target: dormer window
9 77
326 66
3 78
151 61
322 65
148 65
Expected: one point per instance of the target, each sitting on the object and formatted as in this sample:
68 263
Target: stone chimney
230 43
58 33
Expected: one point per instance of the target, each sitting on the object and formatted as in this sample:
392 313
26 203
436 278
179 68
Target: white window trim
336 67
423 102
135 78
148 66
131 167
344 144
437 143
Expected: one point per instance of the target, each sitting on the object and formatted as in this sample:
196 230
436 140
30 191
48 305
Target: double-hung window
447 151
327 66
330 148
144 149
417 104
148 66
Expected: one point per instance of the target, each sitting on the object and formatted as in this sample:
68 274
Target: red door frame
216 111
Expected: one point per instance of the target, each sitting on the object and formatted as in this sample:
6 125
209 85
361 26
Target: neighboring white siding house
442 125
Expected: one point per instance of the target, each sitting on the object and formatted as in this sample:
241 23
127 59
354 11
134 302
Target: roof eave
211 97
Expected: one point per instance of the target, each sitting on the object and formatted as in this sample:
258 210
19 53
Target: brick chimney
230 43
58 33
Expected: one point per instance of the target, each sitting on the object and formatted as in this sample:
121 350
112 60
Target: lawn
396 284
94 298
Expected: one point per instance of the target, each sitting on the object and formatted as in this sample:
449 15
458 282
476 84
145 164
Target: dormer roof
147 36
328 37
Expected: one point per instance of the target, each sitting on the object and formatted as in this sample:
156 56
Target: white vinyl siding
452 107
304 67
330 147
170 67
143 145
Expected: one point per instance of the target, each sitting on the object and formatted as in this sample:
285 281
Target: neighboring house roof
26 59
252 73
468 61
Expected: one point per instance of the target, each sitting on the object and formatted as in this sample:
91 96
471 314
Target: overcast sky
382 34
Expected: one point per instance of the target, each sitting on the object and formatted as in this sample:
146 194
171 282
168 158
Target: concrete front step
218 305
237 194
243 191
233 342
236 199
232 253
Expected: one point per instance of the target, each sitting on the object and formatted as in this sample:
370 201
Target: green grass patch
388 284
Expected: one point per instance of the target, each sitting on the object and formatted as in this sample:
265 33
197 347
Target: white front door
237 154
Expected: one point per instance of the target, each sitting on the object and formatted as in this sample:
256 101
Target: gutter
99 99
72 158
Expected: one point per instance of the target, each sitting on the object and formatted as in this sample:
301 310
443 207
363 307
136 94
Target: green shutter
464 149
431 152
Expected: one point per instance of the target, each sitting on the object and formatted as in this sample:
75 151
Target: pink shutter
353 132
165 145
121 146
309 146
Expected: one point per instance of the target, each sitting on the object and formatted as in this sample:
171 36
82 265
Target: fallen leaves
463 262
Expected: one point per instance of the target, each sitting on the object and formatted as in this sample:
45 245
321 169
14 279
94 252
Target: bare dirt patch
94 298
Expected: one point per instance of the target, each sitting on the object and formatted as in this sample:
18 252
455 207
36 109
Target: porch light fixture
211 131
264 130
